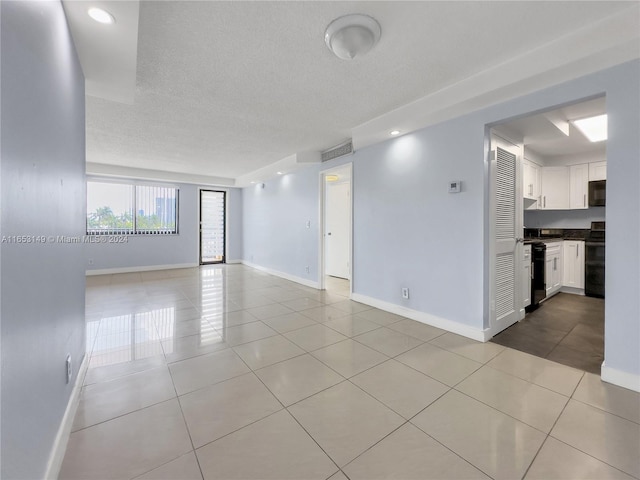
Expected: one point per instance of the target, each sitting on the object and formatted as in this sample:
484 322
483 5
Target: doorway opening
554 207
213 207
336 232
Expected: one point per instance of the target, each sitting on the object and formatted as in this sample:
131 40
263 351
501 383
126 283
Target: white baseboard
427 318
286 276
64 431
572 290
149 268
620 378
233 261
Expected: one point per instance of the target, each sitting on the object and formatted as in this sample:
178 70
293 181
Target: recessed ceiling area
553 133
226 88
108 51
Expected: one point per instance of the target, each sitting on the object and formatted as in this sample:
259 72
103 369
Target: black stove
594 261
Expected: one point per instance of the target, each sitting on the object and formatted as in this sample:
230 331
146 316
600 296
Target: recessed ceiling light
280 173
394 132
594 128
101 16
253 183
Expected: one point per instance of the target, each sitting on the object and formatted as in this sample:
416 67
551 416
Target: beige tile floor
224 372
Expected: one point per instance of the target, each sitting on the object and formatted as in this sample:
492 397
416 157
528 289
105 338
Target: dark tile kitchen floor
567 329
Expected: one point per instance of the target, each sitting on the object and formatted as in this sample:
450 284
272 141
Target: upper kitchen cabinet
554 188
530 184
597 171
579 186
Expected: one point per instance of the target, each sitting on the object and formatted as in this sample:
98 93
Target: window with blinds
127 209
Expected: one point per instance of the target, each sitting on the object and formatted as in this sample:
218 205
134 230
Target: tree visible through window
116 208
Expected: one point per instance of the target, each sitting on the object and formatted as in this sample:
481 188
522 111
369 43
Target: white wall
143 251
234 225
408 231
274 224
43 193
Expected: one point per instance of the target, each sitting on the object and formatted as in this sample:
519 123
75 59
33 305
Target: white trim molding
610 41
422 317
64 431
148 268
286 276
118 171
620 378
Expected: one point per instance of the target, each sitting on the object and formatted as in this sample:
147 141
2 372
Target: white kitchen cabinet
573 264
553 268
554 188
526 276
579 186
530 184
597 171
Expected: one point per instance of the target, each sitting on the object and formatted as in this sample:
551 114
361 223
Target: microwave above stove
598 193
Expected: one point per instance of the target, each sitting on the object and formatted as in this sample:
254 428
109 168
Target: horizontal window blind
124 209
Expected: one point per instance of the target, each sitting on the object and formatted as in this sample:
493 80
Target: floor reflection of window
126 338
212 303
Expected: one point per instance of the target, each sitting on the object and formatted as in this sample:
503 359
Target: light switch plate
455 186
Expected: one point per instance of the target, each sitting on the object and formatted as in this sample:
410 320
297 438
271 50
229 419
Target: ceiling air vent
338 151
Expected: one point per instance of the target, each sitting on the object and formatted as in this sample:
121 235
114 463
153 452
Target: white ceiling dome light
352 35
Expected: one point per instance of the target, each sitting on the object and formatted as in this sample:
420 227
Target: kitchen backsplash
565 233
576 219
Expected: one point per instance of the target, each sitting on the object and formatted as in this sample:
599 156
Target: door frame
321 217
492 327
489 217
225 192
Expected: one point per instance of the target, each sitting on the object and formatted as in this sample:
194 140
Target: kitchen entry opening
212 226
547 220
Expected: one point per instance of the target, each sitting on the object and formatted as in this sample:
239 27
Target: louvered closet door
506 182
212 226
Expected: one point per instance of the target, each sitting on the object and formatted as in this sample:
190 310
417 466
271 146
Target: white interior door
507 302
337 228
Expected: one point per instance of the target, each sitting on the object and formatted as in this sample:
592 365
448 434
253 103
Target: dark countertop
554 234
545 239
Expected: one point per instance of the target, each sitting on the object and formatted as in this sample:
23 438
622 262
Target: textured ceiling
224 88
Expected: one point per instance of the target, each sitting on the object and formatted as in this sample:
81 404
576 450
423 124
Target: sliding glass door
212 226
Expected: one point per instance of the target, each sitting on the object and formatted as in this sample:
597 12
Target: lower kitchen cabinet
553 268
573 264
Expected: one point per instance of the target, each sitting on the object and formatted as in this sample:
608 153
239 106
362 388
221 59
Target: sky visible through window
127 208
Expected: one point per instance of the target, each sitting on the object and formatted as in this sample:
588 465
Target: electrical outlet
405 293
69 368
306 269
91 261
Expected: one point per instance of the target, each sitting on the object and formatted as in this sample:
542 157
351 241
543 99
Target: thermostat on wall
454 186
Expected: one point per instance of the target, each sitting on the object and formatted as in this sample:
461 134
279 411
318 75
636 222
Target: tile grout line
349 379
285 408
522 379
452 451
508 414
551 429
186 425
